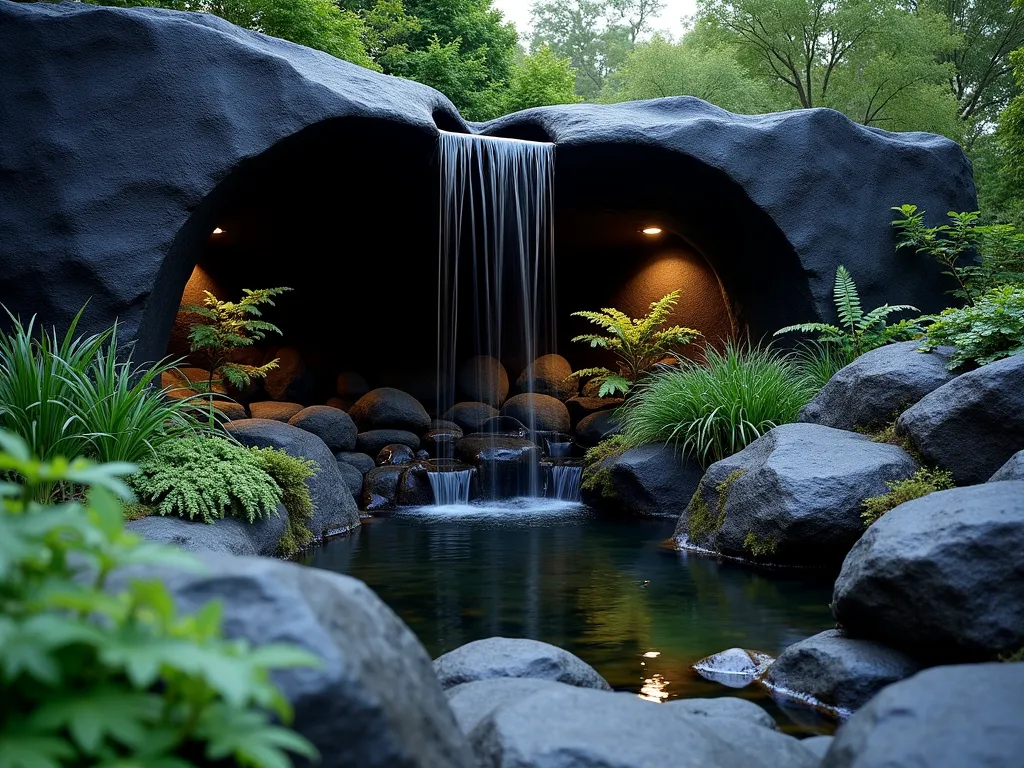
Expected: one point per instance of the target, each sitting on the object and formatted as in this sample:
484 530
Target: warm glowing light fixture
219 231
651 230
652 654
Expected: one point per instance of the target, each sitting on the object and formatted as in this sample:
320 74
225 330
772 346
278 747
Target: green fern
858 332
638 344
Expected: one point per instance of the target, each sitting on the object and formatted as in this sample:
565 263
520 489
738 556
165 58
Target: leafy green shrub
639 344
717 408
820 362
92 677
230 325
989 330
923 482
291 475
73 396
858 331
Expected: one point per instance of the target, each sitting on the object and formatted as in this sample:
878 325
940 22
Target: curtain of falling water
496 221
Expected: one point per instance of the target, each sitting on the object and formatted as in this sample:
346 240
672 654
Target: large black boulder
361 461
389 408
371 443
543 413
879 385
947 717
836 672
333 426
941 577
973 424
793 496
334 510
650 480
506 466
596 427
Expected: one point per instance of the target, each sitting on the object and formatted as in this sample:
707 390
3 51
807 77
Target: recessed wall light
651 230
219 231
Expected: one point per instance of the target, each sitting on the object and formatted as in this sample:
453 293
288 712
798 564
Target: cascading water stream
496 244
450 487
565 482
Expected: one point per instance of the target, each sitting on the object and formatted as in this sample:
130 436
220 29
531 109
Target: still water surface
609 591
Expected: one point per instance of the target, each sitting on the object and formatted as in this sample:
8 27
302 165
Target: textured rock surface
229 535
371 443
879 385
334 510
352 478
154 93
395 453
581 407
838 672
567 727
548 375
947 717
269 409
941 577
819 745
724 706
483 379
472 702
734 667
469 416
380 488
515 657
347 708
1013 469
651 480
972 425
389 408
792 496
361 461
596 427
507 466
541 412
333 426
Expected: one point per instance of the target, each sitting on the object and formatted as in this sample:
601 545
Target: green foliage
703 523
227 326
638 344
291 475
717 408
597 478
988 331
758 546
540 79
91 676
1011 134
858 331
819 362
74 395
923 482
206 478
999 249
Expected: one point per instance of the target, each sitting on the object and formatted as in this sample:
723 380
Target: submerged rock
947 717
389 408
879 385
793 496
333 426
496 657
735 667
972 425
483 379
941 577
837 673
538 412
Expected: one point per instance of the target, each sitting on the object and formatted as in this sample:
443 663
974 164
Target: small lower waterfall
565 481
559 450
450 487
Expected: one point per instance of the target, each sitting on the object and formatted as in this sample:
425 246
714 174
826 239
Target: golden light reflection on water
654 689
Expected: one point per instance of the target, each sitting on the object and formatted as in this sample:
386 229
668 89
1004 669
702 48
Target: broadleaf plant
227 326
638 343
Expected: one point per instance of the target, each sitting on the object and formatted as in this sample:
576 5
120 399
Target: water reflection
606 590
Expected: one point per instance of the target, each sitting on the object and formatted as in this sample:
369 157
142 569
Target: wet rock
229 535
507 466
331 425
334 511
941 577
414 489
504 425
351 385
440 443
469 416
879 385
380 488
793 496
735 667
724 706
366 657
650 480
836 672
373 441
568 727
422 455
447 426
361 461
496 657
947 717
1013 469
353 478
596 427
819 745
548 375
581 407
389 408
483 379
268 409
395 453
290 381
972 425
540 412
472 702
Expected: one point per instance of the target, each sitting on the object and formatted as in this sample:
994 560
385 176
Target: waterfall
450 487
565 481
558 450
496 263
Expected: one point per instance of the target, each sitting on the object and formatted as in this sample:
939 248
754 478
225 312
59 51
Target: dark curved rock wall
123 129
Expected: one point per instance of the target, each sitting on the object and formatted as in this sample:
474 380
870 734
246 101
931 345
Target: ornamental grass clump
713 409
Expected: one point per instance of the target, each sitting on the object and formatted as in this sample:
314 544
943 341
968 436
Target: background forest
953 67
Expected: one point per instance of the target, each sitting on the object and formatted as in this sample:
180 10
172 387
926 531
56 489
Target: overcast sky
670 20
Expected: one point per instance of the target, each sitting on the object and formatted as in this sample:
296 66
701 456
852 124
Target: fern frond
808 328
847 301
584 373
880 313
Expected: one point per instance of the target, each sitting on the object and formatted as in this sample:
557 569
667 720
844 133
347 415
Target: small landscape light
219 231
651 230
